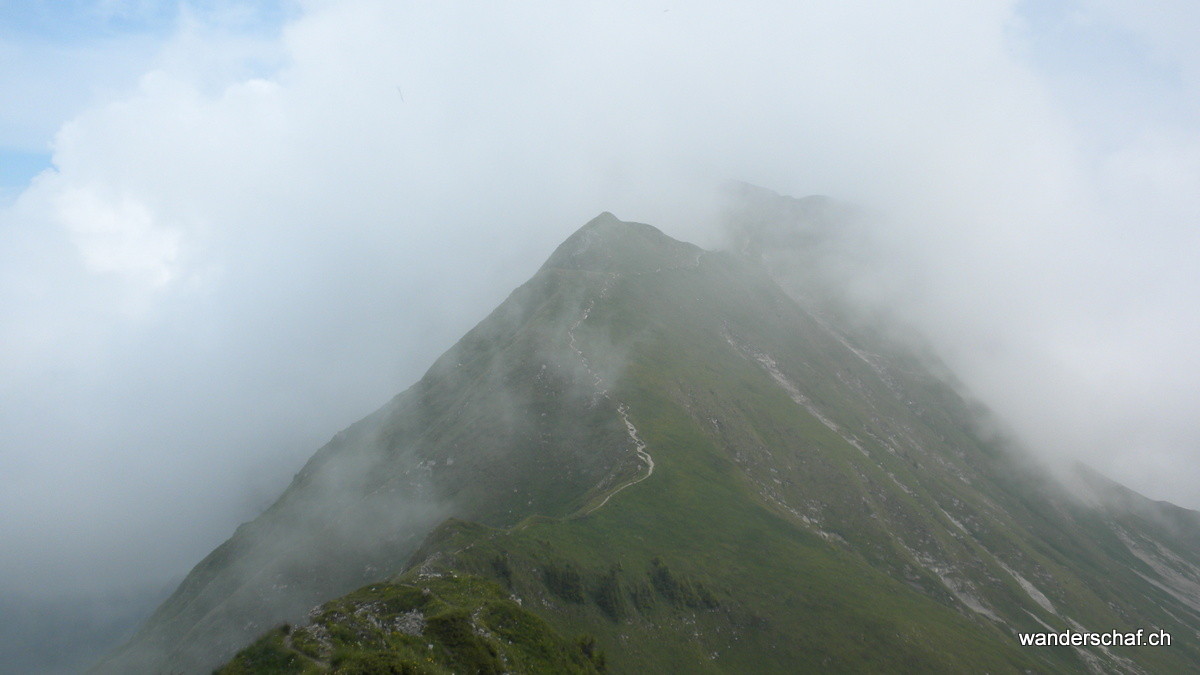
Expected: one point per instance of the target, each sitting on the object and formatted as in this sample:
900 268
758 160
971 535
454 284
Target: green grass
770 538
436 625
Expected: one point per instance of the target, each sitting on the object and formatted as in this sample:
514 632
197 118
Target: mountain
656 457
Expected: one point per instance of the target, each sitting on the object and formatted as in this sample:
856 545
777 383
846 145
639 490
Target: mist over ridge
635 435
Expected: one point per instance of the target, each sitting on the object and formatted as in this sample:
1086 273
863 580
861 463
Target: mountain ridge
706 475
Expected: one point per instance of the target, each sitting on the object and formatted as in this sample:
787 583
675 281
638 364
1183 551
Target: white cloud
119 235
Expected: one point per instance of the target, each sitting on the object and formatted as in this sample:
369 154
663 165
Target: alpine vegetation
658 458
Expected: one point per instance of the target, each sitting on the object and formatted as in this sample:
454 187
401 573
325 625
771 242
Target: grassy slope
690 569
887 536
736 463
500 427
785 598
451 624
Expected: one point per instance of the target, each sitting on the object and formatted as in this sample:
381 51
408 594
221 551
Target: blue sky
86 20
1111 80
17 168
97 20
58 57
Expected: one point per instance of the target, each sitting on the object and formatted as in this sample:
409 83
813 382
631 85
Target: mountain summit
606 244
659 448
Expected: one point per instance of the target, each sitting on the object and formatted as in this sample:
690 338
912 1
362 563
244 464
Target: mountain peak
762 221
609 244
645 436
606 218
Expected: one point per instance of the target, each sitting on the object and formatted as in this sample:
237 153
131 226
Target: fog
256 227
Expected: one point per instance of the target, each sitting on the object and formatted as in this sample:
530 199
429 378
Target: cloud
267 233
118 236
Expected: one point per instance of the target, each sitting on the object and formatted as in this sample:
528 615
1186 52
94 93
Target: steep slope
504 425
660 448
840 506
